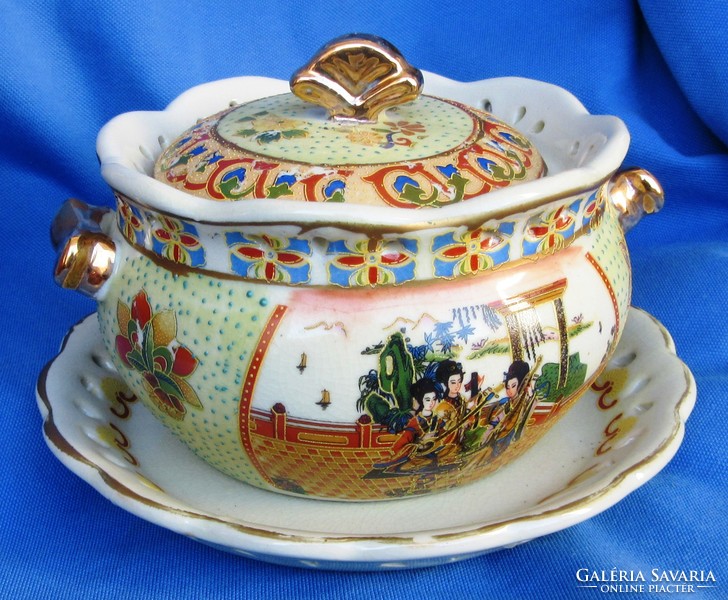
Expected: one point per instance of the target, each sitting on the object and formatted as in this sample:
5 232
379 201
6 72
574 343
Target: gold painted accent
585 475
513 310
610 383
618 427
181 270
55 437
355 77
635 193
514 335
323 403
320 438
563 340
149 483
473 221
328 327
86 262
118 395
535 297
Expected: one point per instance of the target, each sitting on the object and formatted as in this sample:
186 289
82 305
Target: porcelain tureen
344 288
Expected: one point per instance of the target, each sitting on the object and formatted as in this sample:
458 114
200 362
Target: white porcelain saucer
622 432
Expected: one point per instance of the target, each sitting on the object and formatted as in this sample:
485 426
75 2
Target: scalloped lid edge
581 150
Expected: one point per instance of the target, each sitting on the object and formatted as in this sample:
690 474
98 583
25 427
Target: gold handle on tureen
635 193
86 254
357 76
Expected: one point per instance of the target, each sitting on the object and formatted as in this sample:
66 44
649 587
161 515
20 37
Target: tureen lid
354 129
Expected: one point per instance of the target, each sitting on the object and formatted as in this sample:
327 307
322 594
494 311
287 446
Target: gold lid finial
357 76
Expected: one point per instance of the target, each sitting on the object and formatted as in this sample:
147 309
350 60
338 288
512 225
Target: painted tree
386 394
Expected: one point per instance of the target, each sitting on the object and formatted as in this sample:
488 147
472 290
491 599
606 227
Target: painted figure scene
456 402
438 398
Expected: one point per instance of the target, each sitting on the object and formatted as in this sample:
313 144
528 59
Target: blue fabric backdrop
66 67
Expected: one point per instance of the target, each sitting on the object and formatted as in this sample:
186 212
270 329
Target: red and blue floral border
356 259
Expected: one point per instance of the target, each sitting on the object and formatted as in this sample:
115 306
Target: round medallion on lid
381 143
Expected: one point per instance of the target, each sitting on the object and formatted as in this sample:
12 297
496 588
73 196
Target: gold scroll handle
85 253
635 193
357 76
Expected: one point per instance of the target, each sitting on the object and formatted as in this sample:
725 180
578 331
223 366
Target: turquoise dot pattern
610 251
220 322
285 127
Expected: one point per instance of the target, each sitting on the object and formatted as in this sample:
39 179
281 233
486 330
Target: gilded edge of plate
54 436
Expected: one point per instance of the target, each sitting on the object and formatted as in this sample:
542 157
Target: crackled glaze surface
431 152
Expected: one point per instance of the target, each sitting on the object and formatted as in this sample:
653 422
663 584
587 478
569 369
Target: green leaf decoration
519 141
507 172
377 407
188 394
294 133
246 132
168 385
397 371
473 438
148 346
164 353
415 195
276 191
135 360
267 137
439 355
575 330
549 378
502 173
337 196
226 189
494 347
131 329
458 182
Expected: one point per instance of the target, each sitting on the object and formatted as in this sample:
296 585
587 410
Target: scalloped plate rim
332 551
